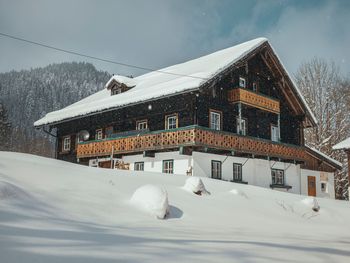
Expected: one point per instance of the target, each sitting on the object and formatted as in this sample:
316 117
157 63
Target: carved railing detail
254 99
189 136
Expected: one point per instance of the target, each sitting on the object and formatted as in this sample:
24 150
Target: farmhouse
345 146
233 115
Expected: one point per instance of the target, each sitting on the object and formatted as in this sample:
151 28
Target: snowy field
52 211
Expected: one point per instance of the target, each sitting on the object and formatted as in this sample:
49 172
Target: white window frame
142 125
66 143
171 121
274 133
99 134
277 177
325 188
242 82
168 166
139 166
215 120
216 169
237 172
244 126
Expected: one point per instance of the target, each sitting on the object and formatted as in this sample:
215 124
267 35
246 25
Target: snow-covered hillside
52 211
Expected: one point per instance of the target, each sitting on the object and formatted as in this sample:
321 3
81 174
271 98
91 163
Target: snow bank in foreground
196 186
152 199
312 203
239 192
10 191
78 214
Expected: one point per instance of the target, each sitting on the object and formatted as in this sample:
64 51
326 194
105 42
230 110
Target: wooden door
311 185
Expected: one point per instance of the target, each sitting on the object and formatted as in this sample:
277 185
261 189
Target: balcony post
240 118
279 126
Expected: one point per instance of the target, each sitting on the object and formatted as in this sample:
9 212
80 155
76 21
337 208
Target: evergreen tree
5 129
30 94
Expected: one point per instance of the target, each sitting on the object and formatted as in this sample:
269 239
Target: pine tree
30 94
5 129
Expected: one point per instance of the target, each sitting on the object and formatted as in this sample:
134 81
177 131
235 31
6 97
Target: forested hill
29 94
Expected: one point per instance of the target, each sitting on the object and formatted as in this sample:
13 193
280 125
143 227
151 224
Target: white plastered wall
330 183
155 164
255 171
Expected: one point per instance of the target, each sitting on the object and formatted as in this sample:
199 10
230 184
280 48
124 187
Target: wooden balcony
254 99
189 136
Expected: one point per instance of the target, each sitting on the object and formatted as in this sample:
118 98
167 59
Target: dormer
119 84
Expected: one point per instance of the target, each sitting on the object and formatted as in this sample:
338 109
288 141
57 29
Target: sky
160 33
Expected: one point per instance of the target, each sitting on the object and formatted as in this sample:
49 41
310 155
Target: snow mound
196 186
239 192
152 199
10 191
312 203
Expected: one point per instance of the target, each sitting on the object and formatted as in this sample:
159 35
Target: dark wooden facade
263 102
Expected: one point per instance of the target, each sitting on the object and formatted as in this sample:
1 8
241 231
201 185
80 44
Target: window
242 82
139 166
109 131
142 125
66 143
255 86
168 166
116 91
171 122
99 134
274 133
324 187
216 169
243 129
215 120
277 177
237 172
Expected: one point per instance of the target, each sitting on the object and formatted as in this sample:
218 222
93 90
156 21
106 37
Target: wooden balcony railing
254 99
189 136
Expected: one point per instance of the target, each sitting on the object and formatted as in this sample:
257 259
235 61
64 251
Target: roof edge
334 163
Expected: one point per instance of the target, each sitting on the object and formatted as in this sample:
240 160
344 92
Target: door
311 185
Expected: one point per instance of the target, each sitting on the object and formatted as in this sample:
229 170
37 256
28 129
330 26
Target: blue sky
158 33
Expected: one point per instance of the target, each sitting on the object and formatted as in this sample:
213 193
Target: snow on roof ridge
127 81
344 144
324 155
157 84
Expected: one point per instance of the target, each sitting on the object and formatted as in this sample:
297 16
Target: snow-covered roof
342 145
183 77
324 156
129 82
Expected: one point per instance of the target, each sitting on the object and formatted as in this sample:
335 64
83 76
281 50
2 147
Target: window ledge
239 182
280 186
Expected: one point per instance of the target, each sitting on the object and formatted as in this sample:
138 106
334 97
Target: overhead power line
96 58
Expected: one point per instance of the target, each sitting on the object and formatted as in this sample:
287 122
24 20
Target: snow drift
152 199
11 191
80 214
196 186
